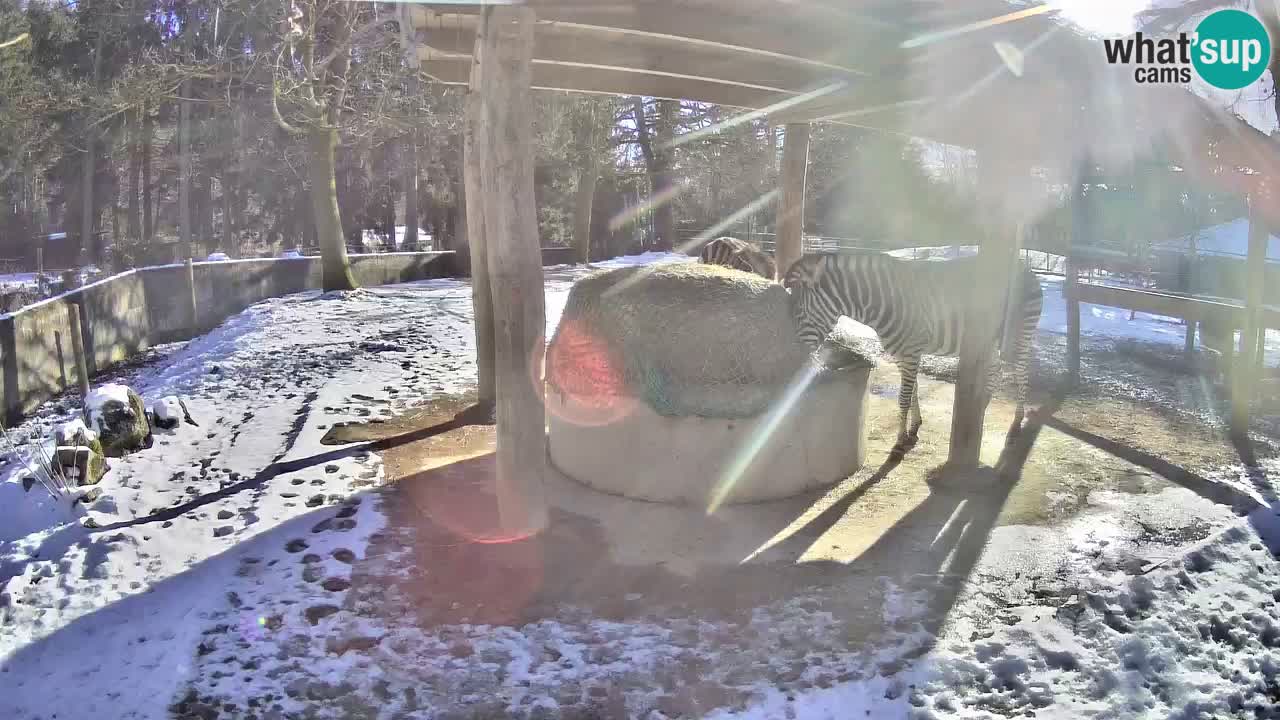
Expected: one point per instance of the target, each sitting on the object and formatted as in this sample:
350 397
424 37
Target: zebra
916 308
734 253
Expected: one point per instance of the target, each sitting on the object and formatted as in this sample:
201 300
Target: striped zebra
739 255
916 307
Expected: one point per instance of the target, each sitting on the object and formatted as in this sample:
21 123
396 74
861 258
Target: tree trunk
410 182
657 159
148 218
89 167
715 190
135 178
228 211
458 224
664 218
477 237
184 172
502 155
588 172
790 218
324 206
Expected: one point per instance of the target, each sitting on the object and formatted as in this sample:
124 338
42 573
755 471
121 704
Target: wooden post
1077 239
77 348
501 156
1073 325
477 239
40 270
990 287
191 287
1244 382
1189 342
790 222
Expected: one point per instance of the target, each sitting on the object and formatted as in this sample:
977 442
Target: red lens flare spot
470 567
585 379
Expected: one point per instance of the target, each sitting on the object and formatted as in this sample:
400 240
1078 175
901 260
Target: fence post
191 286
40 270
77 348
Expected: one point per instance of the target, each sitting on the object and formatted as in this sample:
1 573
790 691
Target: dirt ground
601 548
851 552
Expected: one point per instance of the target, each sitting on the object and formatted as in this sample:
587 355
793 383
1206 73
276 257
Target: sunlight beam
653 202
750 208
933 37
755 114
760 434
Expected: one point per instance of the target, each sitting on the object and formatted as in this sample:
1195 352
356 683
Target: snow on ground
187 570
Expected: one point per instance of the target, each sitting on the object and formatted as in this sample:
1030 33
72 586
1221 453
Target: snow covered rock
117 414
78 453
167 412
218 257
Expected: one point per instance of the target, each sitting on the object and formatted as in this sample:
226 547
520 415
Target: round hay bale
664 380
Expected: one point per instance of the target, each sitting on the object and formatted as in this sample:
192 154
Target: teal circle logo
1231 49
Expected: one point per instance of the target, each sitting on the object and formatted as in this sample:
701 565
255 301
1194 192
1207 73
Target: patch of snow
195 571
167 409
28 512
75 426
99 397
217 257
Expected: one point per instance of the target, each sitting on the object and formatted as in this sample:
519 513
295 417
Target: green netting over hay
686 338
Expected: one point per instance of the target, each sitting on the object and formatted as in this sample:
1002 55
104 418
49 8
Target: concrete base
647 456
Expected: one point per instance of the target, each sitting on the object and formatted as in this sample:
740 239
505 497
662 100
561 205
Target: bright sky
1102 17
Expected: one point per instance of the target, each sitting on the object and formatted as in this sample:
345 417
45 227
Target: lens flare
933 37
586 379
760 434
653 202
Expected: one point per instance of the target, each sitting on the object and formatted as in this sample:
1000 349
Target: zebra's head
815 315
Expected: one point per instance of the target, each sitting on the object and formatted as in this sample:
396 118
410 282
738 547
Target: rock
167 412
316 613
78 454
90 496
117 414
223 531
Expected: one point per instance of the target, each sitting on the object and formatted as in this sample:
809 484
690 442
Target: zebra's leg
908 366
913 433
993 379
1021 373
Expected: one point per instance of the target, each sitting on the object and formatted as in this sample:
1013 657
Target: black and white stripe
739 255
916 307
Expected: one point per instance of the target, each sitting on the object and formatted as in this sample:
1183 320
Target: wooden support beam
1078 238
501 156
1073 324
821 36
996 256
478 264
78 348
606 81
606 49
1245 381
790 222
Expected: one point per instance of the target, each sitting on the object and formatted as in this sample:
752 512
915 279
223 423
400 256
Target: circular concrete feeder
668 381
